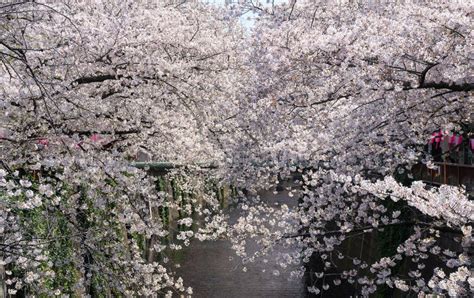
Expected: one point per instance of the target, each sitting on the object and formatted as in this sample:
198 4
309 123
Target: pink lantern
455 140
436 138
43 141
95 138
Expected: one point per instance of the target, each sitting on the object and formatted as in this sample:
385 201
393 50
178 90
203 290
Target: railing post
445 178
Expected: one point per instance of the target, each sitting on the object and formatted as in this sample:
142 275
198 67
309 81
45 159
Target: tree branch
371 228
97 79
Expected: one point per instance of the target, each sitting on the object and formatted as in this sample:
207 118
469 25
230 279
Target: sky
248 19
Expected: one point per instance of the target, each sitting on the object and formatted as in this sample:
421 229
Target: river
212 269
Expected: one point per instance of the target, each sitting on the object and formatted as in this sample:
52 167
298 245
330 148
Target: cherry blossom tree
85 88
347 96
344 95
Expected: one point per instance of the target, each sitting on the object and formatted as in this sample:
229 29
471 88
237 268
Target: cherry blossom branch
369 229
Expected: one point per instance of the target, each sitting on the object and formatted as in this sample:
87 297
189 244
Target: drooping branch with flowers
342 97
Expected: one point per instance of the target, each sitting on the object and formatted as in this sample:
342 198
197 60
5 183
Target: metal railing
447 173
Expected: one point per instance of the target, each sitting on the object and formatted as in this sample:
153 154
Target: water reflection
212 269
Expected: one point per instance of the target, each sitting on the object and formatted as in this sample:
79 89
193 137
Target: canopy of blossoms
343 96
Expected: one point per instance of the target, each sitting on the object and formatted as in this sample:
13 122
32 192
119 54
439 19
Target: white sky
247 19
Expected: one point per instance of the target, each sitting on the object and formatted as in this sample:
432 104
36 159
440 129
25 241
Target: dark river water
212 269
